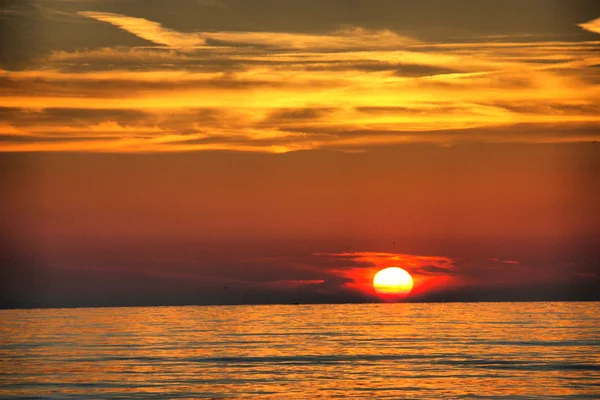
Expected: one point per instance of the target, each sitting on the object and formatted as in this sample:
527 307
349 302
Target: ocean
366 351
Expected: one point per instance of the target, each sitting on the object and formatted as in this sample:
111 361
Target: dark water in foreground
396 351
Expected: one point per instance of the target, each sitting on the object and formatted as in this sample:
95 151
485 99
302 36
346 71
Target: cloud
435 270
295 115
436 275
277 92
44 140
415 70
591 26
148 30
156 33
428 272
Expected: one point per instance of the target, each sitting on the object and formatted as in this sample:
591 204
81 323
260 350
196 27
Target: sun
393 282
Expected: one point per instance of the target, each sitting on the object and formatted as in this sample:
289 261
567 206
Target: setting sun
393 281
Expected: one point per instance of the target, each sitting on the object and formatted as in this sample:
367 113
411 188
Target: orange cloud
149 30
156 33
592 26
347 90
428 272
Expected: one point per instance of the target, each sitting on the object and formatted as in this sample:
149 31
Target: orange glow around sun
393 282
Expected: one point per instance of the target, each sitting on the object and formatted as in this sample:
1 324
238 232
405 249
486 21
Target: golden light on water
393 281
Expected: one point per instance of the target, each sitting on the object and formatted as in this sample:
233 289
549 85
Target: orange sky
155 155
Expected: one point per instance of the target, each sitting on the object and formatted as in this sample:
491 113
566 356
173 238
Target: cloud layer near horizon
284 91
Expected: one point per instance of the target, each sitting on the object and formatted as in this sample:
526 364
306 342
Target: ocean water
367 351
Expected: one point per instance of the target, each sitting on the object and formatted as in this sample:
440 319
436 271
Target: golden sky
347 87
299 146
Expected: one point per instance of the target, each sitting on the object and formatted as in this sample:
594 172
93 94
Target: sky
255 151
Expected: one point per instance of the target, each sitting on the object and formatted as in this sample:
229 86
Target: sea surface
366 351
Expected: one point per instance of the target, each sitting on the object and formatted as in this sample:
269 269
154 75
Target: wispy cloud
592 26
283 91
156 33
148 30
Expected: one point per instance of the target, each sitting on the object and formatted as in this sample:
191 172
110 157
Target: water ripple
514 350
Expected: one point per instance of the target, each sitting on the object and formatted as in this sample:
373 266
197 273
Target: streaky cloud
343 39
347 90
148 30
591 26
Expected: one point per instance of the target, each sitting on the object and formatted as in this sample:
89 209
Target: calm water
513 350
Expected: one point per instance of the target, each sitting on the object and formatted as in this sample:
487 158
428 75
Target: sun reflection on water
310 351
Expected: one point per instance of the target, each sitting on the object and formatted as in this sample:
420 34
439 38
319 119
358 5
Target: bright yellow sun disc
393 281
